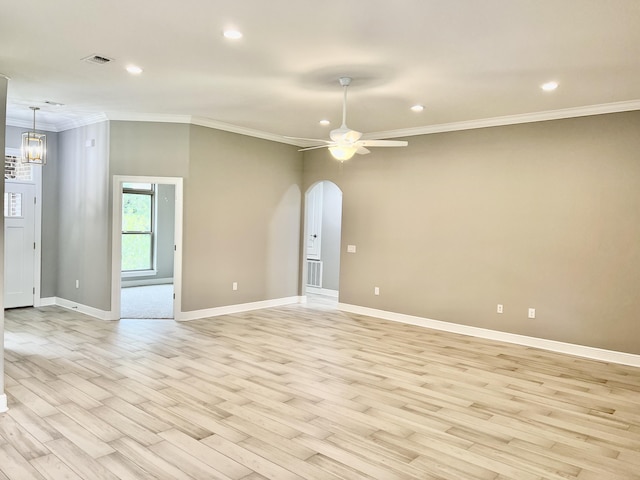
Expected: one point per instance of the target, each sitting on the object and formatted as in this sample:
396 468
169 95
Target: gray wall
83 188
242 220
543 215
49 247
331 226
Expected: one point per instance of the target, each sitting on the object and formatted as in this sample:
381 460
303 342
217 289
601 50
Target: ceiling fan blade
315 140
314 148
383 143
363 151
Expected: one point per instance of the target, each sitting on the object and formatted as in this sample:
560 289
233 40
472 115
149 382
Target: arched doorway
323 230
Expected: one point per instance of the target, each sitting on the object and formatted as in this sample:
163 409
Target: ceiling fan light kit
345 143
343 153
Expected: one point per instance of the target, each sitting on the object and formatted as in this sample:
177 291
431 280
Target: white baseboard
593 353
3 403
323 291
144 282
78 307
239 308
46 302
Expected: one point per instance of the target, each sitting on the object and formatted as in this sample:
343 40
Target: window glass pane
136 251
136 212
15 169
12 204
138 186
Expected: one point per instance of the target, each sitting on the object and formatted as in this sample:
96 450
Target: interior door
19 244
314 221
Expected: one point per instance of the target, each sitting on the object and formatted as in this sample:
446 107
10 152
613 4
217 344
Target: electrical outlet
234 286
77 283
351 249
532 313
376 290
500 308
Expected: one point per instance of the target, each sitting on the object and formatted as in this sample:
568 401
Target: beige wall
543 215
241 210
242 220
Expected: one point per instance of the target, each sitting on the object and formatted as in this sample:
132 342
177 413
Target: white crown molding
227 127
67 124
511 120
61 126
148 117
46 127
593 353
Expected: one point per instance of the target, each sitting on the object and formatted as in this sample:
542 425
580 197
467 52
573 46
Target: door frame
116 243
36 180
305 233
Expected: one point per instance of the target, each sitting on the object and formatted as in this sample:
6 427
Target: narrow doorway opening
148 216
323 230
146 244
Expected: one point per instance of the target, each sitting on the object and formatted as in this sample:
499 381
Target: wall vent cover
97 59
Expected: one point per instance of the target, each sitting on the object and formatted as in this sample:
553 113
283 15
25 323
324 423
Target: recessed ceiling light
549 86
232 34
134 70
417 108
324 123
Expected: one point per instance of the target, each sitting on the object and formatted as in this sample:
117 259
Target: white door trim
116 243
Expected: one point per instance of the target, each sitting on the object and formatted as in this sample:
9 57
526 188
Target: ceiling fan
345 143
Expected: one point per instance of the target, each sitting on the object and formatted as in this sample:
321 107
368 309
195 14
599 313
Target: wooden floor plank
304 392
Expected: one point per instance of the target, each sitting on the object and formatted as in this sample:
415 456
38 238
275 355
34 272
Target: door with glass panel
19 244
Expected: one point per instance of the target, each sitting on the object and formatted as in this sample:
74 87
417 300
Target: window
14 169
138 216
12 204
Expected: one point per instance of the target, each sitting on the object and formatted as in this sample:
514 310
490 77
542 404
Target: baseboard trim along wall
182 316
3 403
143 282
46 302
239 308
323 291
593 353
78 307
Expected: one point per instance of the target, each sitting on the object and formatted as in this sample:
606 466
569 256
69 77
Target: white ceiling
464 60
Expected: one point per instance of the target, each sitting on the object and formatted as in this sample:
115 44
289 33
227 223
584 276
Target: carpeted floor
153 301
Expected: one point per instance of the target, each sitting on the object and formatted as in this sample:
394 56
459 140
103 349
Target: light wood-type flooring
303 393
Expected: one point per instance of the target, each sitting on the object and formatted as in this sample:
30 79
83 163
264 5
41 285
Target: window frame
151 192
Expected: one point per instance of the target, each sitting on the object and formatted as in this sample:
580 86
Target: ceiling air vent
97 59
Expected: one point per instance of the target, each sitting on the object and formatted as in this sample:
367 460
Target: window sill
138 273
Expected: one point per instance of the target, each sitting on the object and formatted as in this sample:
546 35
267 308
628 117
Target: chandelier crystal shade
34 145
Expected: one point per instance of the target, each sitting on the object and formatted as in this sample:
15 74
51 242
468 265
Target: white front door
19 244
